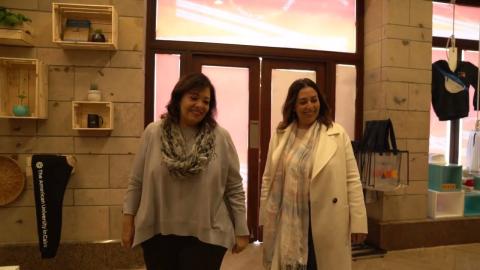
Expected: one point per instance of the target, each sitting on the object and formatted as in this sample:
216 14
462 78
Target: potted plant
94 94
21 109
11 20
98 36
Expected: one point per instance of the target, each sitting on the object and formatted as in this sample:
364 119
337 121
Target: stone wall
92 210
397 82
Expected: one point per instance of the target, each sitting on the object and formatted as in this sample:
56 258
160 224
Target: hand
241 242
358 238
128 230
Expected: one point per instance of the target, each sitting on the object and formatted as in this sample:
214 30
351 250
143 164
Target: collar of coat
324 149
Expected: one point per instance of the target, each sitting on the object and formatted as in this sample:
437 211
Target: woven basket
12 180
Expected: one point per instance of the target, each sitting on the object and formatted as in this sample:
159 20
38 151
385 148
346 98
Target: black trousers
173 252
312 260
50 178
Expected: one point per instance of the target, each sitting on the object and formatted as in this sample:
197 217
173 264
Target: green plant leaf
23 18
11 20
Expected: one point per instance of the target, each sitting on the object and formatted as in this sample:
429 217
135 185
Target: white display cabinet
445 204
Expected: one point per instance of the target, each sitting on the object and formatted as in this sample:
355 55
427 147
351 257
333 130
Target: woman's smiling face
194 105
307 107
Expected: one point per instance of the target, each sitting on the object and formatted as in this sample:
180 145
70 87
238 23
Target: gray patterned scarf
179 161
287 210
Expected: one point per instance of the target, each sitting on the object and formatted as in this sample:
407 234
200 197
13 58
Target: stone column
397 82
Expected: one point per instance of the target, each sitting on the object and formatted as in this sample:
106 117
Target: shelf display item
12 180
76 30
23 88
446 177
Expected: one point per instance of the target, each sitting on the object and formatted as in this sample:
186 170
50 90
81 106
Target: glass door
277 75
250 94
237 83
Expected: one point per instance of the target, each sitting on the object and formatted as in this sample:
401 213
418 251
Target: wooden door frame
153 46
187 49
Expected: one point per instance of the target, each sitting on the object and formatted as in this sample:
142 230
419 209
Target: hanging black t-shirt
448 105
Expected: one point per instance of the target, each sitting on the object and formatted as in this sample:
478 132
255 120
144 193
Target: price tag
448 187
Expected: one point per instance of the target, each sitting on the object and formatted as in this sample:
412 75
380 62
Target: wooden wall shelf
18 36
81 110
102 17
28 77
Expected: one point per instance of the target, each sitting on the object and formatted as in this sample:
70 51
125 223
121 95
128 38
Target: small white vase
94 95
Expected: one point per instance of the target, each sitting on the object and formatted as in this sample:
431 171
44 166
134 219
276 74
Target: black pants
50 178
311 261
173 252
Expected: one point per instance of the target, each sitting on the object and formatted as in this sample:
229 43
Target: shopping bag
378 158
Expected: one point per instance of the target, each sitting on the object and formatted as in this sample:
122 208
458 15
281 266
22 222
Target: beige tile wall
92 201
397 85
398 35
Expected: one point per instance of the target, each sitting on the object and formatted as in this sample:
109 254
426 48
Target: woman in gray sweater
185 202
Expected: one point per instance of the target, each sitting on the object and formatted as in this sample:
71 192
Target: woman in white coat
312 205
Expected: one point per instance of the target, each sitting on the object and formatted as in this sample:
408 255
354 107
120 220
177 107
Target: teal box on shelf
472 204
476 181
445 177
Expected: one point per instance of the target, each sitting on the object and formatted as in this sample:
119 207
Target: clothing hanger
452 51
71 160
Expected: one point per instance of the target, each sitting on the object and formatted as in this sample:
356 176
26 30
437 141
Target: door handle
254 134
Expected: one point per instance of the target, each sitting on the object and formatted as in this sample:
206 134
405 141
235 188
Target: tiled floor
462 257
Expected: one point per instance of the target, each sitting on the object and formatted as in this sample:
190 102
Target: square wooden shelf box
28 77
16 36
81 110
102 17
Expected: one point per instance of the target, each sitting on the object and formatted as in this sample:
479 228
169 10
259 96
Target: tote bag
382 166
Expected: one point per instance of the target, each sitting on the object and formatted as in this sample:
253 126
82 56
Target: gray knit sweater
209 206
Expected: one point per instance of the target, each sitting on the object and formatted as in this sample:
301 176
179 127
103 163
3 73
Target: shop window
281 23
466 31
466 21
167 73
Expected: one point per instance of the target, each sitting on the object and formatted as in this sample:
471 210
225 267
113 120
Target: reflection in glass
167 73
439 130
231 85
467 20
467 124
345 96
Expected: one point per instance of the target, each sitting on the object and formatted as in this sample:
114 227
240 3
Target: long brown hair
288 109
189 82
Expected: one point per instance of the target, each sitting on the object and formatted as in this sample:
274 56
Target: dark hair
187 83
288 109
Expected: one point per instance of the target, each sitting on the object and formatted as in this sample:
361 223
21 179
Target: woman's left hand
241 242
358 238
